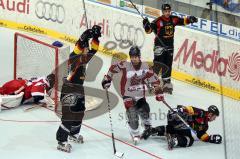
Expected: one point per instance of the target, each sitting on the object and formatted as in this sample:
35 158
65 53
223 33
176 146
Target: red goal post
35 56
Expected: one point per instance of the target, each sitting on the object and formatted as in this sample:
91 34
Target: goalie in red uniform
32 90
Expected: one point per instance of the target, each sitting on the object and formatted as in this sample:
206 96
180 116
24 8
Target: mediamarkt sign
212 63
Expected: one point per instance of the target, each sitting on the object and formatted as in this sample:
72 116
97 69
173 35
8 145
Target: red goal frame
16 35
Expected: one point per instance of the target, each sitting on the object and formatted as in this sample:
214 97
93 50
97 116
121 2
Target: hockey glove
160 97
193 19
180 108
86 35
96 31
216 139
106 82
146 24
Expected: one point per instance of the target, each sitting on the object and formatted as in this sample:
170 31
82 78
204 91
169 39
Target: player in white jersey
135 76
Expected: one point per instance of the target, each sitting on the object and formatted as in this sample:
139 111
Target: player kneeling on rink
178 134
135 75
72 93
21 91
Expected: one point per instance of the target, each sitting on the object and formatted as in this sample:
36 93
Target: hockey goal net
35 56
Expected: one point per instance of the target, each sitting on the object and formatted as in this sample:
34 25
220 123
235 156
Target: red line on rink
123 142
89 127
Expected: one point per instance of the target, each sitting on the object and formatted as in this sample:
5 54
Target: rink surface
31 135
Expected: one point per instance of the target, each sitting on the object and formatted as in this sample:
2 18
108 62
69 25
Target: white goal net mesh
34 56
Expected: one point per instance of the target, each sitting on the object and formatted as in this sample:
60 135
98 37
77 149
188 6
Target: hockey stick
85 12
118 154
6 108
184 122
41 105
134 6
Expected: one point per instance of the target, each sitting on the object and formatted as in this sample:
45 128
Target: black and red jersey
198 120
165 28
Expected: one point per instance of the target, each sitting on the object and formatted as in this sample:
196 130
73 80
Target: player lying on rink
20 91
178 134
135 76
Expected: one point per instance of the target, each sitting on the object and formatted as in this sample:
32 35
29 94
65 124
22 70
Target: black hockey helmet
213 109
166 7
134 51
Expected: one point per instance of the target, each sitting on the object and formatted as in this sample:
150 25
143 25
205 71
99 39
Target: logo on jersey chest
169 30
135 80
136 76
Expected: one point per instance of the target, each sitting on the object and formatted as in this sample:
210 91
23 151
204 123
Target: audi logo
50 11
128 35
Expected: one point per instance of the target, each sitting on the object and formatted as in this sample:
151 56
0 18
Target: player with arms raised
72 93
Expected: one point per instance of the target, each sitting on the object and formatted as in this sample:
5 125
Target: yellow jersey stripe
190 110
204 137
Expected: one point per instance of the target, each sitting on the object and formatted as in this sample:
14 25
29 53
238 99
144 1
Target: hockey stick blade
119 154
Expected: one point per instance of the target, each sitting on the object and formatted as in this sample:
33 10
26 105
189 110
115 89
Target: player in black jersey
178 134
164 27
72 93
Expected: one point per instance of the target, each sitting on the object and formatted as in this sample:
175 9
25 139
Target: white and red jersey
133 81
36 87
13 87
